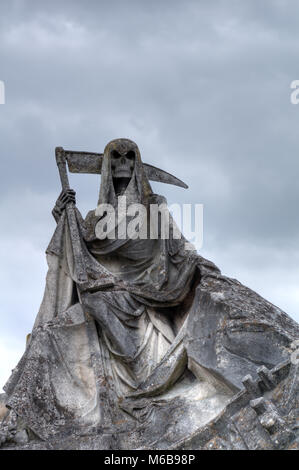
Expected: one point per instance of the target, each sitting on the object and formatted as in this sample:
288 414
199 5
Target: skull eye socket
130 155
115 154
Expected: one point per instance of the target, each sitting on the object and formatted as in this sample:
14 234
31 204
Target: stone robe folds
155 333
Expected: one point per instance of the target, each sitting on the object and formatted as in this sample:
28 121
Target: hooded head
123 173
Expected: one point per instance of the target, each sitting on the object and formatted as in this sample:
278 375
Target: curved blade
91 162
156 174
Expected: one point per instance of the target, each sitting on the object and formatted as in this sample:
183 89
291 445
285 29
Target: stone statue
142 343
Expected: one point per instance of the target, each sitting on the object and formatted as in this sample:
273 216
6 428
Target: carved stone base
261 416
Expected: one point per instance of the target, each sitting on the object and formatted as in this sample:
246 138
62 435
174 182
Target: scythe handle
61 163
71 217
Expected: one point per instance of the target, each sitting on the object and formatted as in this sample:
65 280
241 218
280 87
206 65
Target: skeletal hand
64 198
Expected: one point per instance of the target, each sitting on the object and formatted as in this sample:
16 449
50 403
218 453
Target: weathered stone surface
3 409
142 344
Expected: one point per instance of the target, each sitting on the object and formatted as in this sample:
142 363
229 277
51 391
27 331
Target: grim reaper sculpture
142 343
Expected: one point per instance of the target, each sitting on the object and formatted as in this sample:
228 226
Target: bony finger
69 200
56 210
59 203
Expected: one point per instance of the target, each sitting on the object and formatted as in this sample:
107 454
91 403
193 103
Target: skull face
122 164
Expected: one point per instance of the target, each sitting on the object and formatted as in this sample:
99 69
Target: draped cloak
154 323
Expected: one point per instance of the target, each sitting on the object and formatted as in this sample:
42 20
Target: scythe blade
90 162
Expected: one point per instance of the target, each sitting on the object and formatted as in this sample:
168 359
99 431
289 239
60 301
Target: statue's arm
64 198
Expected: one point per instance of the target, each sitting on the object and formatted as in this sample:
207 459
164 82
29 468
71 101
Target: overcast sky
202 87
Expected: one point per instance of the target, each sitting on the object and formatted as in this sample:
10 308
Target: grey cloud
202 87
